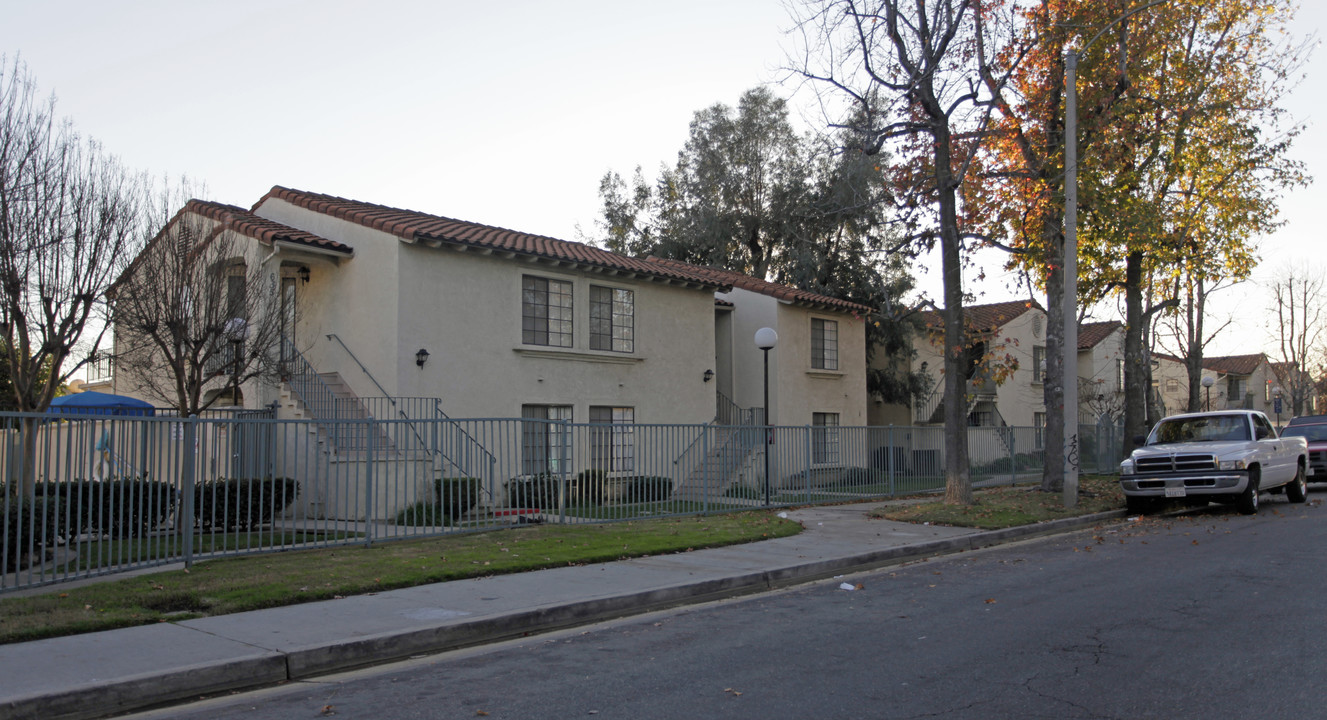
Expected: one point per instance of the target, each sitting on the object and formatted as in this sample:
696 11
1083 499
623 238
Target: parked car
1307 420
1228 456
1312 428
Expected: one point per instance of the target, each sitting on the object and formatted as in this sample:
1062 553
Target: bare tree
198 313
1186 332
1298 313
905 69
70 216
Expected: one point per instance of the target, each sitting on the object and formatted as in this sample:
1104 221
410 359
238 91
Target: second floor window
1172 385
1119 375
612 319
824 344
545 312
1038 363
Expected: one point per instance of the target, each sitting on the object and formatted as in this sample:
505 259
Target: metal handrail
926 409
308 386
369 375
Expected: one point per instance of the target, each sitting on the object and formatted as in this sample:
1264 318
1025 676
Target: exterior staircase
733 450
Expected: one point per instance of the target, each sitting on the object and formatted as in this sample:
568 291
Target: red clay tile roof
775 290
984 318
415 226
1089 334
261 229
1234 364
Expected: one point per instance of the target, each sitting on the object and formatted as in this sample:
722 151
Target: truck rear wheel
1298 489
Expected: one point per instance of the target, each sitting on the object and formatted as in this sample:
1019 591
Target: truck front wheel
1247 502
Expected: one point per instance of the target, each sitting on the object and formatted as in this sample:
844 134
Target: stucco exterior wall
796 389
1021 395
1100 387
356 299
465 309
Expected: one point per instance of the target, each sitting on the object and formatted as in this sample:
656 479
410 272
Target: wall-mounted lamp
421 357
304 273
709 375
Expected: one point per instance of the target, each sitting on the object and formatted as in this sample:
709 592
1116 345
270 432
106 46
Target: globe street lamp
766 339
1208 382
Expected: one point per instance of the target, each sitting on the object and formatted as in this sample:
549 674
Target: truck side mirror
1261 433
1139 440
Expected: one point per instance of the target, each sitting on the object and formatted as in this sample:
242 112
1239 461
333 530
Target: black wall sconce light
304 274
421 357
709 375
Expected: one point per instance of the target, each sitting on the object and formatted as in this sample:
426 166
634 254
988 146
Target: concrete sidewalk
100 674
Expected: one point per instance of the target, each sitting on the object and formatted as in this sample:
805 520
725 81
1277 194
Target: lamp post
1070 333
1208 382
1276 405
766 339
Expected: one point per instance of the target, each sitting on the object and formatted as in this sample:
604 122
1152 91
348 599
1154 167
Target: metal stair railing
319 399
926 409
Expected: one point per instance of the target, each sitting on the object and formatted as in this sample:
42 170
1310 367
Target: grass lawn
217 587
1004 507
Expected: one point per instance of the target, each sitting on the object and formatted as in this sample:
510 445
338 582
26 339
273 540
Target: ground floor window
1039 431
613 448
825 438
545 446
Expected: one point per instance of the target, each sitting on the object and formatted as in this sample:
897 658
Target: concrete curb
269 667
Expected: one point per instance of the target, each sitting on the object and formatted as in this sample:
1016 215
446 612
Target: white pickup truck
1227 456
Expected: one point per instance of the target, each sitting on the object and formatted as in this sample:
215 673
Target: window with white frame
824 438
1119 374
824 344
613 448
1038 430
545 443
545 312
1172 385
1038 363
612 319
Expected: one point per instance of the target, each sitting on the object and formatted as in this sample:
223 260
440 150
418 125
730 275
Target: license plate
1174 492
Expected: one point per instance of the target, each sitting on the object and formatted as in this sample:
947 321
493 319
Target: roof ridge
415 225
765 287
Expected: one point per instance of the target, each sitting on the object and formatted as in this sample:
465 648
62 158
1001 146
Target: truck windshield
1202 429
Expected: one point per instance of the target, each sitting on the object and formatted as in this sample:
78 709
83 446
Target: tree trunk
1135 395
958 481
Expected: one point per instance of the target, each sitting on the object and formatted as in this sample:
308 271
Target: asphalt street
1212 615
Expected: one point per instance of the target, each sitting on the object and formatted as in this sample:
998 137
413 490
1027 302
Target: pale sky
506 114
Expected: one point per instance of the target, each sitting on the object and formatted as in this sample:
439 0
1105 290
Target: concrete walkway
105 673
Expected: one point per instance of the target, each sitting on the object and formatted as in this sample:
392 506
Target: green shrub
537 492
590 487
422 513
241 504
31 526
118 507
455 496
645 488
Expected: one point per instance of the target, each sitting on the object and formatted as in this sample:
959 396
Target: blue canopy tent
95 403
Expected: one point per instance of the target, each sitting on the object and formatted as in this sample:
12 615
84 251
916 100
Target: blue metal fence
85 497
